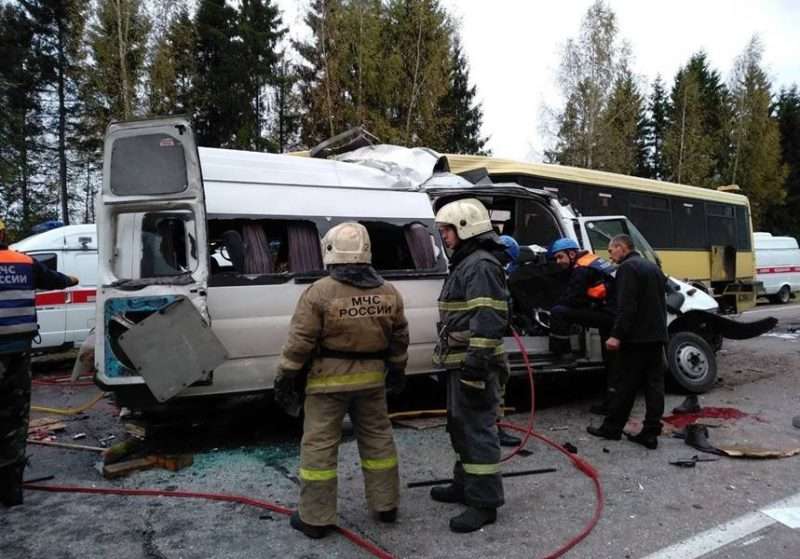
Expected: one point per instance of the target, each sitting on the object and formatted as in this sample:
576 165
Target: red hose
581 464
350 535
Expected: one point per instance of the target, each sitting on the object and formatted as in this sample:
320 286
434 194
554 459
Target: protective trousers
471 417
319 449
15 403
638 365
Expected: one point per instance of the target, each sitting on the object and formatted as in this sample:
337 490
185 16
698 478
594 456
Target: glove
287 396
395 380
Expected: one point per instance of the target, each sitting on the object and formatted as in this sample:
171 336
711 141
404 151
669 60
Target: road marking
724 534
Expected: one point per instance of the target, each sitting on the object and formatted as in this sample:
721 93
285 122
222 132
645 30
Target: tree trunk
62 123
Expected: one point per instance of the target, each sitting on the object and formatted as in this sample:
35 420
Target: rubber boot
599 409
472 519
388 516
689 405
796 421
11 485
314 532
447 493
507 439
645 439
697 437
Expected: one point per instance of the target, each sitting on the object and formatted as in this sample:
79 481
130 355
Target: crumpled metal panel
173 348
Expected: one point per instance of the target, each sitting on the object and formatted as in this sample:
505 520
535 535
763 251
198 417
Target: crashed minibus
204 253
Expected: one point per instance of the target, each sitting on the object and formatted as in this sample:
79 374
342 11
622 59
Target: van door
153 254
51 314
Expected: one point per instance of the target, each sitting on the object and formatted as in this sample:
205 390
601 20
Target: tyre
692 362
782 296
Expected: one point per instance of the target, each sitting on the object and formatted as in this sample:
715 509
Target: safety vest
17 295
599 290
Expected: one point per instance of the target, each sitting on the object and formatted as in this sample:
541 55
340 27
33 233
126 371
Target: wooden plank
119 469
67 445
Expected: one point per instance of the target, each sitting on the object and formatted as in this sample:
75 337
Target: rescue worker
512 253
639 335
20 275
587 301
349 333
473 309
584 300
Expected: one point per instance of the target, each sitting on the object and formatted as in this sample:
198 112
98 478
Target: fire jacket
590 280
20 276
473 312
346 335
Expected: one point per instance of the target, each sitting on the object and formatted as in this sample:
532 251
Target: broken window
167 246
264 247
406 247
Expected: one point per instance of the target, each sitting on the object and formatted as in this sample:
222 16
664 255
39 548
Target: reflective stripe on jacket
333 323
17 296
606 270
473 313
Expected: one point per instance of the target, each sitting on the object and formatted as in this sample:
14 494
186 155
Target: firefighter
473 309
20 275
349 338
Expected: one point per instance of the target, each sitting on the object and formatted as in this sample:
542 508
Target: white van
777 266
65 316
204 253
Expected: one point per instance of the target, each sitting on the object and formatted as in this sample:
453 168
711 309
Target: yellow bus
701 235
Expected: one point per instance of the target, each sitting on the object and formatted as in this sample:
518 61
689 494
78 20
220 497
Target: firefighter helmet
468 216
347 243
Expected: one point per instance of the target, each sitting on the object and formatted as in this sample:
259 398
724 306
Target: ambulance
777 266
65 316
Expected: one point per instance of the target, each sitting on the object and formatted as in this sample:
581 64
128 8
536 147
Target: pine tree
657 123
688 148
172 69
259 27
286 113
117 40
58 31
756 155
623 148
462 115
24 199
715 108
589 67
785 219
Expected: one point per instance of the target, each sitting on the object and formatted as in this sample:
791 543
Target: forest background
396 67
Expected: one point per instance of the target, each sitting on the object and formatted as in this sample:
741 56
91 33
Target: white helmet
468 216
347 243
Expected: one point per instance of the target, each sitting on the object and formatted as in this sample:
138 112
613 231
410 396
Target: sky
514 48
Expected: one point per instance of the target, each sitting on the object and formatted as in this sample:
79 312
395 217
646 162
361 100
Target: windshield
600 232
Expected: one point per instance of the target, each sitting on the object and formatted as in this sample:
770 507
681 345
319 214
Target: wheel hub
692 362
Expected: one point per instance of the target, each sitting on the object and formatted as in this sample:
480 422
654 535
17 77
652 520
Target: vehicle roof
250 184
59 238
767 241
462 163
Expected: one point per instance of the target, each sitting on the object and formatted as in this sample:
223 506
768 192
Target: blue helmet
564 243
512 247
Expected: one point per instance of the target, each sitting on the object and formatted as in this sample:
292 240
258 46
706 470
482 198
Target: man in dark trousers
20 276
639 335
473 311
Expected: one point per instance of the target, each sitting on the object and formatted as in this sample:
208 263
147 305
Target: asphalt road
732 508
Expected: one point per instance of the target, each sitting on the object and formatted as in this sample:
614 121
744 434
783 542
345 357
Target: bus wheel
782 296
692 362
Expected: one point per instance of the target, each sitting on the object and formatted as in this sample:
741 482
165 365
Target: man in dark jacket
473 310
20 276
639 335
